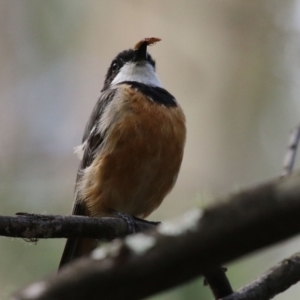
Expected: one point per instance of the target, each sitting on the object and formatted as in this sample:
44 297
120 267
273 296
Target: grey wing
92 141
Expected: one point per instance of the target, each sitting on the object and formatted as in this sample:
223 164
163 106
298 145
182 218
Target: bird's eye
115 66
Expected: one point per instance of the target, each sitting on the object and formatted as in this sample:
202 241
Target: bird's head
133 65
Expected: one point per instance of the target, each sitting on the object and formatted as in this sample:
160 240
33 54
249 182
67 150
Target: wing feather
92 141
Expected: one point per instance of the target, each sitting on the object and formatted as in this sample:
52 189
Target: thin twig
275 281
290 155
218 282
34 226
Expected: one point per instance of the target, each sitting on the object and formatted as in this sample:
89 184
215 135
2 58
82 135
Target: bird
132 146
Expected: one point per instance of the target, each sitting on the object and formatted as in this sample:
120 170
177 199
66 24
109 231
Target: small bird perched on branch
132 145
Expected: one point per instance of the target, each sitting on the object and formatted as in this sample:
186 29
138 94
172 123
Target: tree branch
218 282
141 265
33 226
275 281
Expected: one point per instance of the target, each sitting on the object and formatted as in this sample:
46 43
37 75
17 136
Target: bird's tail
76 248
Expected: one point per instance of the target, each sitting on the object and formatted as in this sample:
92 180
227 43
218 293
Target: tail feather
76 248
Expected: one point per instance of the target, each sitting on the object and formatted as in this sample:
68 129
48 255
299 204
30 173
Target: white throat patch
143 73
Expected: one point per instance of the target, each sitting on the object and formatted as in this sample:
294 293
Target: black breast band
155 93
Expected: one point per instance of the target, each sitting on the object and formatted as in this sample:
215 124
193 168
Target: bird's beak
140 49
140 54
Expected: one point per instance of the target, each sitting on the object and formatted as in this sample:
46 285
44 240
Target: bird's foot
135 224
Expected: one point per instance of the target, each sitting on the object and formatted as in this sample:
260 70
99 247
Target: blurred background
233 65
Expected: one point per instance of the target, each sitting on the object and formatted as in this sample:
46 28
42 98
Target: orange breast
140 158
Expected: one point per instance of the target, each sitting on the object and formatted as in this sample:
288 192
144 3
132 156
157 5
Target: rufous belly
139 161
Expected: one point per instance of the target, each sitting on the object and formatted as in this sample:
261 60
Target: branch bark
275 281
141 265
33 226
